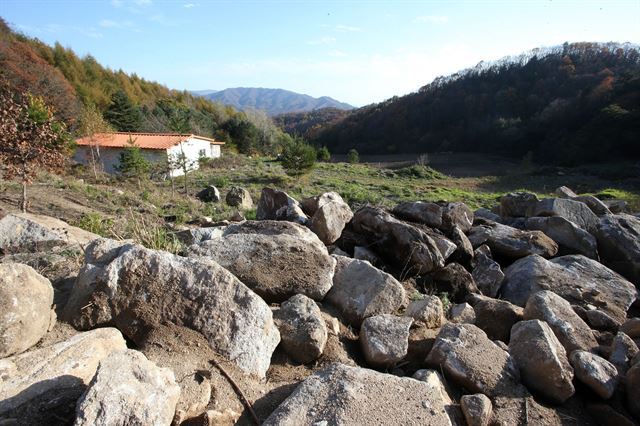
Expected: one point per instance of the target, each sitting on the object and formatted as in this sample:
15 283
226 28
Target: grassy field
115 207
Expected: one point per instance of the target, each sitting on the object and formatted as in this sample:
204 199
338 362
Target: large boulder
510 242
596 372
278 205
302 328
569 328
542 360
456 214
341 395
21 232
402 244
424 212
128 389
623 351
139 288
275 266
495 317
384 339
487 273
580 280
571 238
470 359
453 279
572 210
274 227
26 312
239 197
43 384
619 245
361 290
516 204
330 217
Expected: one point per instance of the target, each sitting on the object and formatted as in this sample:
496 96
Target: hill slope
568 104
273 101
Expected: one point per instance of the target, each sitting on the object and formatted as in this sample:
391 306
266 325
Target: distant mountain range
272 101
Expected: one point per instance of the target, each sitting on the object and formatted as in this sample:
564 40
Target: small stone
210 194
239 197
477 409
462 313
623 350
632 383
596 372
428 311
384 339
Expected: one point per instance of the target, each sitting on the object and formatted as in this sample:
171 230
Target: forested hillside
309 124
568 104
72 85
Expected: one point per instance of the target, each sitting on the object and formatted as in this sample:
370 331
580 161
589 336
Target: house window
202 153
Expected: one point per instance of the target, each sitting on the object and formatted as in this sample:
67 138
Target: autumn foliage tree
31 140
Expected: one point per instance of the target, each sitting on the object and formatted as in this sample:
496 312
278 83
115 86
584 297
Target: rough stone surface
477 409
595 204
400 243
198 235
580 280
361 290
456 214
462 313
341 395
26 312
511 242
470 359
128 389
569 328
632 386
565 192
239 197
571 238
616 206
495 317
453 279
210 194
600 320
275 227
302 328
542 360
516 204
487 214
428 311
423 212
446 246
278 205
631 328
464 250
275 266
572 210
596 372
623 350
36 385
330 217
140 288
384 339
619 245
31 232
487 273
364 253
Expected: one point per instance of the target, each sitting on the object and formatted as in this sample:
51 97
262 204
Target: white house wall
193 149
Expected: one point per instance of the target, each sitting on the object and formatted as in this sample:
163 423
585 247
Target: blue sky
355 51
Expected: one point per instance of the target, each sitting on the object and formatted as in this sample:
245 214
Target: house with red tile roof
105 149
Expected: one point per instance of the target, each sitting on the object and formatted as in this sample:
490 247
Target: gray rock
495 317
341 395
486 214
470 359
453 279
578 279
361 290
600 320
456 214
276 266
477 409
26 312
278 205
565 192
511 242
330 217
572 210
571 239
542 360
596 372
275 227
423 212
128 389
464 249
569 328
384 339
487 273
632 386
462 313
210 194
22 232
46 383
239 197
428 311
596 206
446 246
302 328
400 243
631 328
616 206
364 253
623 350
198 235
619 245
516 204
141 288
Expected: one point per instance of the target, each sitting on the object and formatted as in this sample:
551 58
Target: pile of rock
529 311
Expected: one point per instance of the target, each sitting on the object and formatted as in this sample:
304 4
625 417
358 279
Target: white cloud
337 54
433 19
346 29
189 5
162 20
124 25
322 40
142 2
116 3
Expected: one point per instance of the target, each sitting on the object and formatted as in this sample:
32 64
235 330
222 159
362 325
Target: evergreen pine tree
123 114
